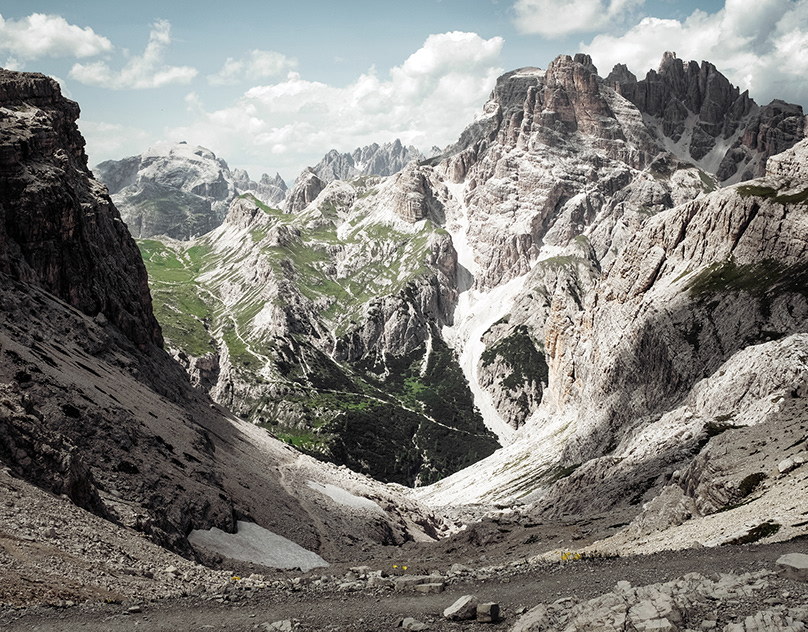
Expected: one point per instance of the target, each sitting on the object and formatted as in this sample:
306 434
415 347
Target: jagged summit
370 160
699 114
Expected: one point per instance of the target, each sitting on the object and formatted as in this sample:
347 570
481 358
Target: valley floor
516 586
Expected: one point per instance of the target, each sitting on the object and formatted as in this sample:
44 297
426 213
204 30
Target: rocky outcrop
270 190
686 603
305 190
58 227
179 190
413 198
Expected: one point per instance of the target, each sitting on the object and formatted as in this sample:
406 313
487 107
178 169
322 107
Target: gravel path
514 588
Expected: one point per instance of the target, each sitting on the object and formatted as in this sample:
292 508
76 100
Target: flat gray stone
408 582
794 566
463 609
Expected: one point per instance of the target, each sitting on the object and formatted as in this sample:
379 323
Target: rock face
371 160
305 190
179 190
58 228
686 350
628 329
95 410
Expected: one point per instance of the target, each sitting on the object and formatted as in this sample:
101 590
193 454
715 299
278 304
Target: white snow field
252 543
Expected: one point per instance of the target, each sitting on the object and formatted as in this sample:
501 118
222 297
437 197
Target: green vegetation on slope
418 423
767 277
178 304
756 190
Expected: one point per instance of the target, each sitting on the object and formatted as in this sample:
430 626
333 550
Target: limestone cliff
58 227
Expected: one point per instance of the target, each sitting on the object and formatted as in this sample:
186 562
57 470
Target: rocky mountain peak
178 189
700 116
58 227
306 188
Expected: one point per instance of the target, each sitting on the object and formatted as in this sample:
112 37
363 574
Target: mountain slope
686 351
95 410
323 325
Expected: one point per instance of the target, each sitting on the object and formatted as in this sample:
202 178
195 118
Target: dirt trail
369 610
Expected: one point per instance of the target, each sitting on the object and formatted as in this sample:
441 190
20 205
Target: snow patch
474 314
253 543
343 497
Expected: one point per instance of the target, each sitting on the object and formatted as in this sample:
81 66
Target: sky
272 86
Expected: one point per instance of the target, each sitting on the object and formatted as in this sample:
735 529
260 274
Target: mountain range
593 304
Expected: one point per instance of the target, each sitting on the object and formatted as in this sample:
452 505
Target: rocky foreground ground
732 588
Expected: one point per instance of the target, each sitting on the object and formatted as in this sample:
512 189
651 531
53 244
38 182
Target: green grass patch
752 190
522 355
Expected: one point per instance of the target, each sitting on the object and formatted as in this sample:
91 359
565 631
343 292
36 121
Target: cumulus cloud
40 35
760 45
111 140
259 64
144 71
290 124
556 18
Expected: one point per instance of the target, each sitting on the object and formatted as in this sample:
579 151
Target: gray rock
464 609
409 582
284 625
790 464
431 587
794 566
408 623
488 612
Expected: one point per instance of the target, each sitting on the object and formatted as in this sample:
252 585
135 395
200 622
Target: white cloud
145 71
259 64
108 141
40 35
760 45
290 124
556 18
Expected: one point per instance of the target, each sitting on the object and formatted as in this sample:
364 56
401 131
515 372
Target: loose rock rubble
693 602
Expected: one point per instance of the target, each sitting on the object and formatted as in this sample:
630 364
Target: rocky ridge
371 160
179 190
697 112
